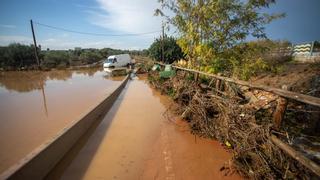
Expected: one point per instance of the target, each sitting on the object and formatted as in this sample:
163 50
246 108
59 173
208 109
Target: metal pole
162 44
311 48
35 43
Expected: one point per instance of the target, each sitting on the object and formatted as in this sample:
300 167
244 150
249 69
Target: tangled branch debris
243 125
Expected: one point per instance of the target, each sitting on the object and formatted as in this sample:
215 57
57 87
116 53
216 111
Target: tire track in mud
167 155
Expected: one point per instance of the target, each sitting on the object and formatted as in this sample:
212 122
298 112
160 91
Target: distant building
77 48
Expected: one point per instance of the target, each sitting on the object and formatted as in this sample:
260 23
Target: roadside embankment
228 112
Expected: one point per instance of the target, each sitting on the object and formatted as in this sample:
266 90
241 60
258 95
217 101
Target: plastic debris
156 67
168 72
228 144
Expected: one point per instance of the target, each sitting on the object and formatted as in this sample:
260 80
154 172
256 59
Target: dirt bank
298 77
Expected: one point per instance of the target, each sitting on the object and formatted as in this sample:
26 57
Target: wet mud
136 140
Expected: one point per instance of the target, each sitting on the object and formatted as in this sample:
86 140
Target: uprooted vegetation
224 112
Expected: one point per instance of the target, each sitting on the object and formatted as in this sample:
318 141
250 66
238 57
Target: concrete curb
43 159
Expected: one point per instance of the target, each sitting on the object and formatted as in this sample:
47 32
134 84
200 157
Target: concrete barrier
42 160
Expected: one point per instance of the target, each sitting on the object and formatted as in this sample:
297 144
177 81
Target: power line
93 34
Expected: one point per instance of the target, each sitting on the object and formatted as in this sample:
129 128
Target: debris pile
236 116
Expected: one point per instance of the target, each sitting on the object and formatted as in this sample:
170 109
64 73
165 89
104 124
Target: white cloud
6 40
117 16
135 16
8 26
86 7
62 43
50 40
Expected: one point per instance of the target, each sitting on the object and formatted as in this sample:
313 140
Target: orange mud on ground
136 140
177 154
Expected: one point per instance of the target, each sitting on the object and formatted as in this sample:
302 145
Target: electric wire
93 34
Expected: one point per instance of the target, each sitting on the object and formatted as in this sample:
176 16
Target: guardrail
278 116
42 160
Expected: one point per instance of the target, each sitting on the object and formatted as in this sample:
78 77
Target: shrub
89 57
56 59
17 55
251 58
172 50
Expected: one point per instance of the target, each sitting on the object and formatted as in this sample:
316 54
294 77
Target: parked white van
117 61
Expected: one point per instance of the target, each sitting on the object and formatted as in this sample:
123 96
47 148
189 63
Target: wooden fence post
296 155
196 77
218 83
280 110
184 74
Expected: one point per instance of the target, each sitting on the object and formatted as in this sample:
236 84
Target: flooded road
34 106
135 140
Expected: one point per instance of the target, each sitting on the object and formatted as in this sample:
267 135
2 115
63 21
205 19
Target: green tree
90 56
209 28
58 59
172 50
251 58
17 55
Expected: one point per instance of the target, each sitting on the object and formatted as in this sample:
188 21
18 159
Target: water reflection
120 71
108 70
44 101
25 81
28 81
88 72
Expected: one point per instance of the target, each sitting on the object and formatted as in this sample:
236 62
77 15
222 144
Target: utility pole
35 44
162 44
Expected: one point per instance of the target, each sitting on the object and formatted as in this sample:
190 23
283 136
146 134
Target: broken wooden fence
279 112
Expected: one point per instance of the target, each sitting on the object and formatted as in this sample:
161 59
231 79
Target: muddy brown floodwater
135 140
35 106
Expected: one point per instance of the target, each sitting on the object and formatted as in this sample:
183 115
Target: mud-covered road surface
136 140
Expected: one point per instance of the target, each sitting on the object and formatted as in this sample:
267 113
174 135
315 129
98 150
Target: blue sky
301 24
